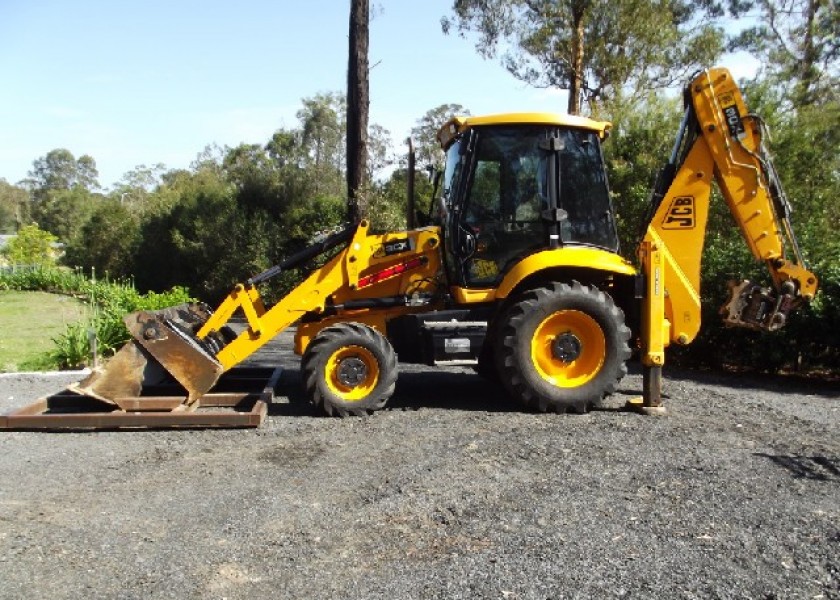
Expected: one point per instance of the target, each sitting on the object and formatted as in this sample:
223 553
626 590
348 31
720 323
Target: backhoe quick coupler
754 307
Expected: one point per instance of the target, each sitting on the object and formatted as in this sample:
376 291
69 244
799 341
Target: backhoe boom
718 141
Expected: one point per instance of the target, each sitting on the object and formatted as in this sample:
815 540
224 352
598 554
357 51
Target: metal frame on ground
70 410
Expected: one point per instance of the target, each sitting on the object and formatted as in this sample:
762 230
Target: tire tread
542 299
325 343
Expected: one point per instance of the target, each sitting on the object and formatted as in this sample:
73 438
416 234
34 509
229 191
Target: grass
107 301
28 323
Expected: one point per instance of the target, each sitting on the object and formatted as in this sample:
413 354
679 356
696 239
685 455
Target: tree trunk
807 66
358 103
576 70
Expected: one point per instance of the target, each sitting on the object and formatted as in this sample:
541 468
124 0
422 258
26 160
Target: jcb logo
733 119
393 247
397 247
680 214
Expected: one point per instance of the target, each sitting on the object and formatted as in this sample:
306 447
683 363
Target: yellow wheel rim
568 348
352 373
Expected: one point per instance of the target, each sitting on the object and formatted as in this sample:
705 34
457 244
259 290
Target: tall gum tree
797 42
358 105
595 49
60 170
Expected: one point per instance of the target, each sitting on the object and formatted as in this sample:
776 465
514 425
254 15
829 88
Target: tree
424 133
14 207
31 246
209 159
107 241
62 212
195 243
797 41
136 187
593 48
379 150
286 148
358 104
388 200
321 139
638 147
295 178
59 170
322 120
250 168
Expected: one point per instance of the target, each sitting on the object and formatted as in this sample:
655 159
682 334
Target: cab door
505 196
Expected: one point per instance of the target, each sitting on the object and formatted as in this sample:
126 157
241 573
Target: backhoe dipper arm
720 141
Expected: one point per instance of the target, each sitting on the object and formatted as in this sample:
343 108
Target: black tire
349 368
562 347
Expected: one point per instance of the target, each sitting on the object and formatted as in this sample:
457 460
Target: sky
141 83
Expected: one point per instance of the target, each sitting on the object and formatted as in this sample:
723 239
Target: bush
110 301
31 246
72 348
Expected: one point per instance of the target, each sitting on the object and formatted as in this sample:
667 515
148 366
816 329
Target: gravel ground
452 493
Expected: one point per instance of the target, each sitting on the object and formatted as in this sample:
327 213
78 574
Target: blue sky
156 81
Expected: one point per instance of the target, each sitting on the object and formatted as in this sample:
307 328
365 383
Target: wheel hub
566 347
352 371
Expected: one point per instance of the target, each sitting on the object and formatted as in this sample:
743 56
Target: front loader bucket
164 345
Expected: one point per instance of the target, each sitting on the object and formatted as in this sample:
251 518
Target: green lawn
28 323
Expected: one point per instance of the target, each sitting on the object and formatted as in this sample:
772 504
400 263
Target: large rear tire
349 368
562 347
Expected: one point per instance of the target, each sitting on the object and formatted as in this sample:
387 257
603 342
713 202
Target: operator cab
517 184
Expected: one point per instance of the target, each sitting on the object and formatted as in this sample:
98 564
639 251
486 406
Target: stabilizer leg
651 401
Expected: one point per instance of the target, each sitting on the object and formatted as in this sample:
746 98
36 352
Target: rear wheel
349 368
562 347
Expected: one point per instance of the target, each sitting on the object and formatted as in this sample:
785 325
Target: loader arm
718 141
195 346
308 296
370 277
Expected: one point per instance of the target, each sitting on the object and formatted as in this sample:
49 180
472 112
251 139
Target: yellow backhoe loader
516 271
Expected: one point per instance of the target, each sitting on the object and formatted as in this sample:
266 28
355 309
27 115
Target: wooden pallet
239 399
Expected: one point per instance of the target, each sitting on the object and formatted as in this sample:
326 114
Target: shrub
31 246
110 301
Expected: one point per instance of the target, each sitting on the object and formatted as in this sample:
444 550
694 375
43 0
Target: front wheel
562 347
349 368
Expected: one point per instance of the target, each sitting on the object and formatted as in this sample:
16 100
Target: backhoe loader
516 271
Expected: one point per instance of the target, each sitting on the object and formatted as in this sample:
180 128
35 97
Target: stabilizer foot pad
637 405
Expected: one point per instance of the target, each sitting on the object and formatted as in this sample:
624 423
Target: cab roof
456 125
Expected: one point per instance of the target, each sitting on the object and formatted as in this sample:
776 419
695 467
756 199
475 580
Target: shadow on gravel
781 384
435 389
445 389
818 468
427 389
